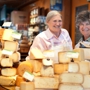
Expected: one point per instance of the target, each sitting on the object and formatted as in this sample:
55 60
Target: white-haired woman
54 36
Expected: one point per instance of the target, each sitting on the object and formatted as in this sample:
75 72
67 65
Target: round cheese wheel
47 62
24 66
8 71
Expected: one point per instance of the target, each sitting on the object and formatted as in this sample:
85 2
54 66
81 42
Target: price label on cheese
72 54
28 76
7 52
16 35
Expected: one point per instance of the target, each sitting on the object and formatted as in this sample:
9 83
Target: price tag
72 54
28 76
16 35
7 52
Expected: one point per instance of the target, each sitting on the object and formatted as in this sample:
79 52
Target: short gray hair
52 14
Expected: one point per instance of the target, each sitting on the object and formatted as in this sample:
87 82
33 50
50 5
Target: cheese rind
47 71
27 86
70 87
74 78
73 67
46 82
60 68
86 82
8 81
8 71
62 57
24 66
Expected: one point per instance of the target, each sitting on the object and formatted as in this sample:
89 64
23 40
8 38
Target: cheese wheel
81 54
15 57
35 53
86 82
47 62
70 87
24 66
8 81
60 68
7 35
84 67
73 67
74 78
11 45
37 65
46 82
6 62
62 57
27 86
8 71
19 79
47 71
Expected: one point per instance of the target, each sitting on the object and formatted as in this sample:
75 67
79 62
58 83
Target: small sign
28 76
7 52
16 35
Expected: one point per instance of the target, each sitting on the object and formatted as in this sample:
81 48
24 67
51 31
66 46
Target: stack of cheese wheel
77 75
22 82
43 71
9 57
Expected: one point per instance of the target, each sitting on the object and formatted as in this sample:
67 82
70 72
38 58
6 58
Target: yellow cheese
62 57
27 86
60 68
24 66
8 71
35 53
46 82
86 82
81 54
6 62
73 67
7 81
74 78
7 35
84 67
15 57
70 87
19 79
47 71
37 65
11 45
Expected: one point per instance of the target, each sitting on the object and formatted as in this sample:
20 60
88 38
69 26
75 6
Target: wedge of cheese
11 45
37 65
27 86
86 82
24 66
6 62
73 78
46 82
60 68
84 67
70 87
47 71
7 35
15 57
8 71
35 53
73 67
81 54
7 81
62 57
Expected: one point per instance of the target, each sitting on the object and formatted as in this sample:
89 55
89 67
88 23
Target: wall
76 3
